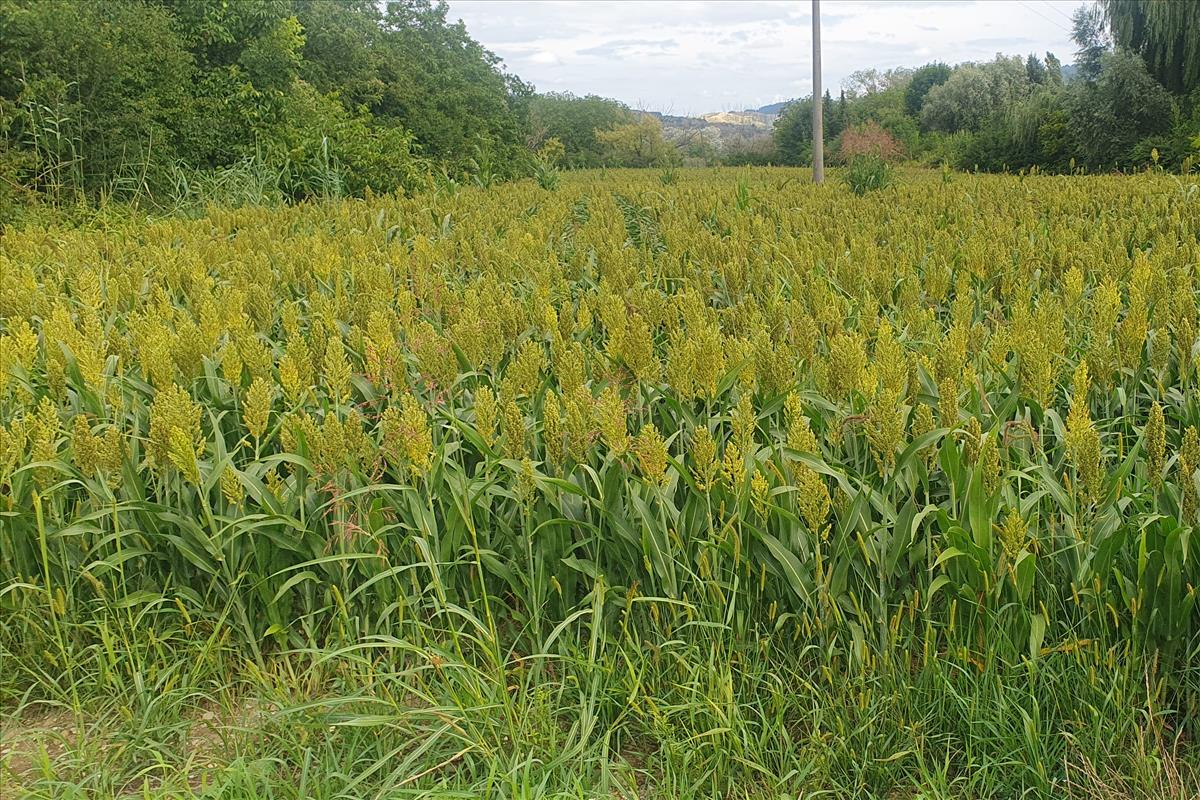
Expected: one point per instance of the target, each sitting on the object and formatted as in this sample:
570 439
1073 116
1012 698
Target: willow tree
1165 34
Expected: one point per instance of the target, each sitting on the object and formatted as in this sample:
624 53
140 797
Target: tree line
1130 99
289 99
298 98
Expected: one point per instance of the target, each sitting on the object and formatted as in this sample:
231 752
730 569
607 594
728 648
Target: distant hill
754 119
719 128
773 109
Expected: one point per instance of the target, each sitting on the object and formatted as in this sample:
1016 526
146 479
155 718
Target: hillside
772 109
742 118
718 128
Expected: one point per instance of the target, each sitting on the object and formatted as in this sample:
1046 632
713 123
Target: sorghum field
709 483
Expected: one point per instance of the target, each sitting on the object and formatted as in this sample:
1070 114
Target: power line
1054 8
1043 16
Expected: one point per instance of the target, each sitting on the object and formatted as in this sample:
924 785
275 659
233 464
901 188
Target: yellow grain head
337 371
610 421
651 451
760 494
552 429
85 446
1082 438
579 428
43 439
512 424
1189 462
704 458
175 429
486 414
1155 437
256 412
231 486
744 424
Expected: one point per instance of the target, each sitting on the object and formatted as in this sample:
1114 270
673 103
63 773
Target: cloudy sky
693 56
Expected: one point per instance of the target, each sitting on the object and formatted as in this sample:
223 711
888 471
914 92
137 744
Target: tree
1090 36
887 109
575 121
743 151
95 89
341 50
835 116
924 79
1121 107
973 93
1031 131
792 132
1054 75
449 90
636 144
1035 70
871 81
1165 34
260 38
319 93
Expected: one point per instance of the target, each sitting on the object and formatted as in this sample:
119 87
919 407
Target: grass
703 715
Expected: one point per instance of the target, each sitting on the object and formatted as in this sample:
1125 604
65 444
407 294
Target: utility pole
818 112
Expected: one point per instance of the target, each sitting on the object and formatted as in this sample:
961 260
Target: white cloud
693 56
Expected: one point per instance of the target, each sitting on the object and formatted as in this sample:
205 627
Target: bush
945 149
325 151
869 139
866 173
745 151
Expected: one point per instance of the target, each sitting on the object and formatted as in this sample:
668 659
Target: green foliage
545 165
575 122
1012 116
867 173
95 91
870 81
636 144
973 93
1033 131
446 88
1090 35
881 104
1035 69
1111 122
946 149
792 132
123 97
1122 106
325 151
1165 35
923 79
1054 73
746 152
885 108
1015 113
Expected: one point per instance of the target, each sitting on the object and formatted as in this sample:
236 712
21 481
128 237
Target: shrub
945 149
869 139
746 151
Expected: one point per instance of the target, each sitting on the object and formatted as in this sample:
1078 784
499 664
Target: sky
699 56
